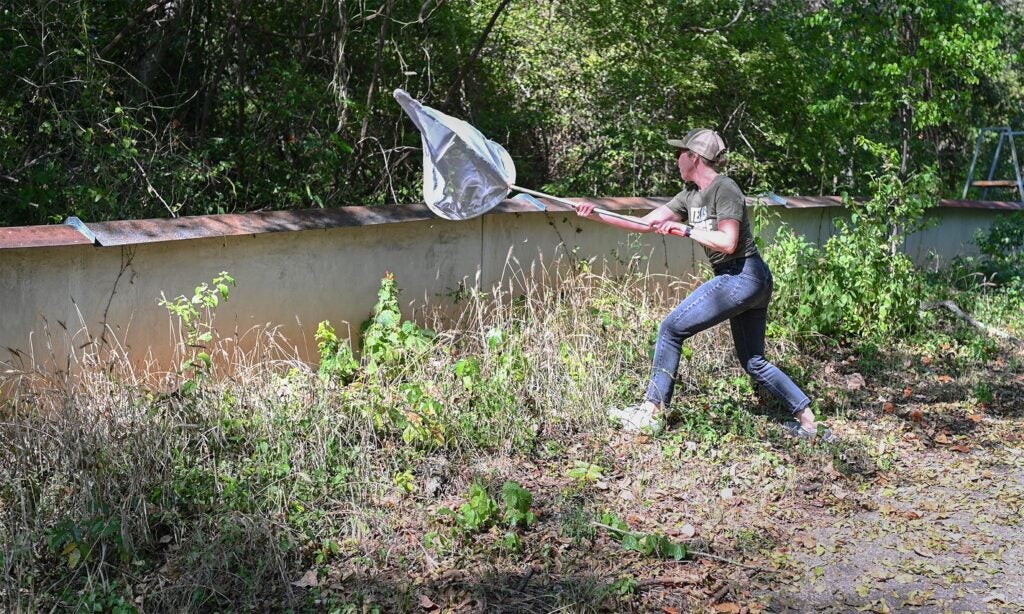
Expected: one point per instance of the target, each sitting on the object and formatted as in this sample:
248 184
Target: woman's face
687 164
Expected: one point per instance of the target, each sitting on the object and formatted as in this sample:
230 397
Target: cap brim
677 143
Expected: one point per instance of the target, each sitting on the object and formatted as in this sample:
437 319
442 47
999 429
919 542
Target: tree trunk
377 59
150 66
339 82
468 66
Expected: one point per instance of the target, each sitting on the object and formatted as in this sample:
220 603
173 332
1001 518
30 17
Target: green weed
649 544
195 317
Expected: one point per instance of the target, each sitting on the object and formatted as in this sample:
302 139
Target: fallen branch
668 581
719 591
960 313
708 555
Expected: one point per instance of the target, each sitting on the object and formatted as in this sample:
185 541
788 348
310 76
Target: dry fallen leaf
426 603
806 540
976 418
945 379
908 392
308 580
688 530
728 608
960 448
855 381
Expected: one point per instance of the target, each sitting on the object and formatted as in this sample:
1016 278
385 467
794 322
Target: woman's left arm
724 240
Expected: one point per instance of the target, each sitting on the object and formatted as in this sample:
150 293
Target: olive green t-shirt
722 200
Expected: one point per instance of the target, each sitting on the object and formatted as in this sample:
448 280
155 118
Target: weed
858 285
578 525
518 501
586 473
625 586
195 316
479 512
983 393
389 342
336 357
225 497
405 481
91 540
649 544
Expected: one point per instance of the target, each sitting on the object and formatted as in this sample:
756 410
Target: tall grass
118 492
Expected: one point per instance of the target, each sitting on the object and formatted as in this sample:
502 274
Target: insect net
464 173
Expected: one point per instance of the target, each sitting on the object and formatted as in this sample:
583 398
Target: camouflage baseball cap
702 141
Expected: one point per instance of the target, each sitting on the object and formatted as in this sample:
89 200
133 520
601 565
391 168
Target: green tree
903 76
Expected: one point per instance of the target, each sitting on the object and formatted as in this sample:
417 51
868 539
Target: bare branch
464 72
731 23
128 29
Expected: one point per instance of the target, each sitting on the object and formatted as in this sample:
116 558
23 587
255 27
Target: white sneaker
637 419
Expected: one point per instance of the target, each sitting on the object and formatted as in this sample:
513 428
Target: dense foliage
132 108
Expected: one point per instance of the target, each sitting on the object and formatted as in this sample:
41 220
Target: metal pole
625 218
995 161
1016 165
605 212
974 160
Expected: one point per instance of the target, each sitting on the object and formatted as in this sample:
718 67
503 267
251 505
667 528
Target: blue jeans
739 292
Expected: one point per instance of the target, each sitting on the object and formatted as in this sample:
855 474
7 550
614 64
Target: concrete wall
948 233
295 279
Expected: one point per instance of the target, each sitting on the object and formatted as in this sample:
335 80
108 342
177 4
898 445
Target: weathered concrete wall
295 279
948 233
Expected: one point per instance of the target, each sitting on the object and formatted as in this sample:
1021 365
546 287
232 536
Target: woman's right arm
645 223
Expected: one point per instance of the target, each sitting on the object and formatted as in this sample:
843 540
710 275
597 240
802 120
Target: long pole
618 216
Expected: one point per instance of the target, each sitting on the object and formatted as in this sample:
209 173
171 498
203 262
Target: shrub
858 285
336 358
388 342
1002 249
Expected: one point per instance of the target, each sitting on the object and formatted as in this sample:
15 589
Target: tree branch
464 71
725 27
125 31
376 68
966 317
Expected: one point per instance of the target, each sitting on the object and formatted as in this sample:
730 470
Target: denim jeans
739 292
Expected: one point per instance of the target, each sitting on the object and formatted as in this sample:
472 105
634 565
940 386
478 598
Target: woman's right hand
585 209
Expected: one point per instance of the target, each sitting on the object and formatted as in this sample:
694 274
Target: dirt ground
919 507
941 534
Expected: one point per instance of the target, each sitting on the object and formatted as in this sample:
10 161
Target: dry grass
120 491
117 486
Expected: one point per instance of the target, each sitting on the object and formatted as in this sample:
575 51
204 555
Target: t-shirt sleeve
729 201
678 204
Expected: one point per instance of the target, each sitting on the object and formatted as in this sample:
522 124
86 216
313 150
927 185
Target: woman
739 292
